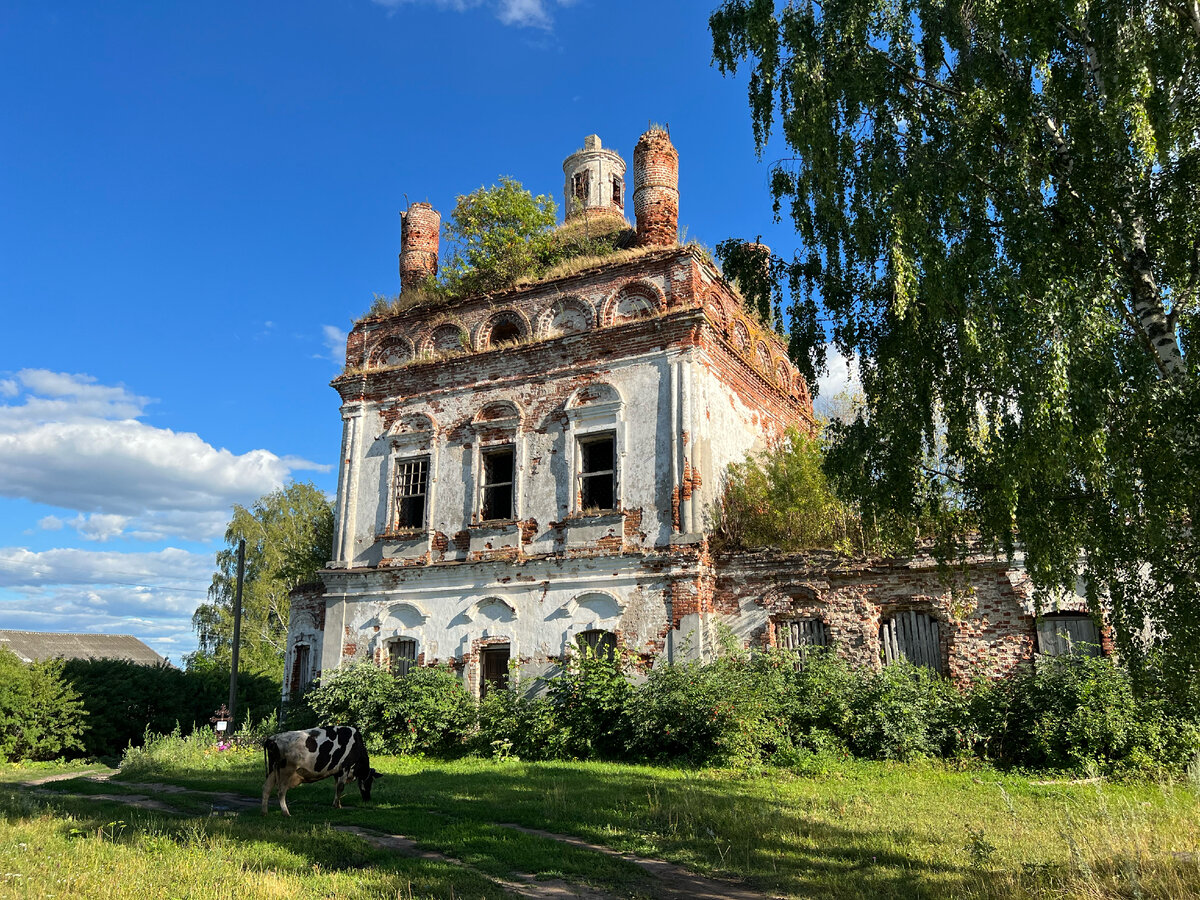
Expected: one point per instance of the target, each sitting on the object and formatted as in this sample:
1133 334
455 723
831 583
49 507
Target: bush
730 711
427 710
126 700
589 702
41 715
902 712
513 724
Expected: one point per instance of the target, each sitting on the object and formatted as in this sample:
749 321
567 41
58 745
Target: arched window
914 636
598 643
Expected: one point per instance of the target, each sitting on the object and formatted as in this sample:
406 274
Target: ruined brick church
529 472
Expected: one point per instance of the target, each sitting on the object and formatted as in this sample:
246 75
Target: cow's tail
271 756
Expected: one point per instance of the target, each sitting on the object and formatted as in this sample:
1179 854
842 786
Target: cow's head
366 777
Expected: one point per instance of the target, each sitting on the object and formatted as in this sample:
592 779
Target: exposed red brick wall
656 189
419 228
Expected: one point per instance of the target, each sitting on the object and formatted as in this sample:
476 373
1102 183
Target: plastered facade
652 353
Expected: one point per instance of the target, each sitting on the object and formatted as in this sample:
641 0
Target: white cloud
837 388
335 343
522 13
71 443
149 595
50 523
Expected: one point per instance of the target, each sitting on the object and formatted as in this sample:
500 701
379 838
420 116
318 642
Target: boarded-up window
402 655
913 636
800 635
1068 635
598 643
494 669
412 482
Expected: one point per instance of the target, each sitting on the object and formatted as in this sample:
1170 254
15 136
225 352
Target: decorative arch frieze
566 315
505 326
634 300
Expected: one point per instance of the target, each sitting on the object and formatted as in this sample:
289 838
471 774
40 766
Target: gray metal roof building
33 646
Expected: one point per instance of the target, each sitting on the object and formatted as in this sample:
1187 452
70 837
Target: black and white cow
296 757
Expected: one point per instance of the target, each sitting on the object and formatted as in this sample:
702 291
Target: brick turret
656 189
419 228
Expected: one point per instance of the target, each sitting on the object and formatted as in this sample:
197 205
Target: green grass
843 829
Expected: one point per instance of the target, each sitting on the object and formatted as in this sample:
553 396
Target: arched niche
741 336
494 610
445 338
566 315
762 358
595 395
391 351
594 607
501 414
505 326
413 424
633 301
401 617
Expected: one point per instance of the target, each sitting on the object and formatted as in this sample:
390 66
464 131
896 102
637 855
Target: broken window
499 470
412 485
913 636
301 660
402 655
598 472
618 192
799 636
580 186
506 331
493 663
1064 634
598 643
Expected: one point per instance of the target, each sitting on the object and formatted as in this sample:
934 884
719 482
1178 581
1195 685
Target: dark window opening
598 643
300 663
800 636
412 484
580 186
913 636
1068 635
617 191
402 655
505 332
494 670
499 468
598 472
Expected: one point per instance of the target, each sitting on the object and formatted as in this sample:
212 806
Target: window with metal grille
914 636
597 642
1064 634
402 655
800 635
412 485
499 468
598 472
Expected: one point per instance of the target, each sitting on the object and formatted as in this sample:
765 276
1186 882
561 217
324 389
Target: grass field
841 830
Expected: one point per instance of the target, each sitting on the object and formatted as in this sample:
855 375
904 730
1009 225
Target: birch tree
997 206
289 537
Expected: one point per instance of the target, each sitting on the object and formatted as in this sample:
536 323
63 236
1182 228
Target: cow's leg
266 798
337 794
284 786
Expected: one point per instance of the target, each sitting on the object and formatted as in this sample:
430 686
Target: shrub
427 710
41 715
589 703
512 723
730 711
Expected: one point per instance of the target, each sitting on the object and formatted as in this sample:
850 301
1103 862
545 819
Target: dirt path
669 881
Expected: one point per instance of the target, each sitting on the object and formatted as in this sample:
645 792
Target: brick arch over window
445 338
633 301
596 394
567 315
391 351
507 326
502 412
741 336
413 424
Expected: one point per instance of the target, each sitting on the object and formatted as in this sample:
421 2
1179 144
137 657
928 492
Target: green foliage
781 498
41 715
499 234
126 700
589 700
426 711
996 206
289 534
514 723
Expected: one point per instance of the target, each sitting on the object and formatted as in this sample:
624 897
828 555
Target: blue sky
196 200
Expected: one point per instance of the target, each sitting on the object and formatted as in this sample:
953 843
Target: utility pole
237 633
